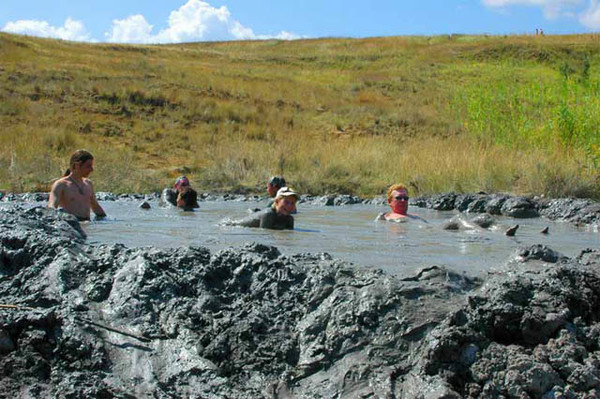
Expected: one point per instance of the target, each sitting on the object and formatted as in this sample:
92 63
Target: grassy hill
463 113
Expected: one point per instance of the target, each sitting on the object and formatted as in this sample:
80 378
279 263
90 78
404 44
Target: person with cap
278 217
397 198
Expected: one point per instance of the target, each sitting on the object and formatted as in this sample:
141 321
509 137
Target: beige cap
286 192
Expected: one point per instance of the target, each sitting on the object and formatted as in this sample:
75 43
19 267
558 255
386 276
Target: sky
177 21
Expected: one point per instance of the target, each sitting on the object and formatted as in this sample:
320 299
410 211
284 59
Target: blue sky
172 21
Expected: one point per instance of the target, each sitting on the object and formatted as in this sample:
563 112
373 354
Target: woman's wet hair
79 156
187 198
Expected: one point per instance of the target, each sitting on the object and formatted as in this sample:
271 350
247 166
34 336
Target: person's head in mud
285 201
274 184
397 197
181 183
187 198
276 216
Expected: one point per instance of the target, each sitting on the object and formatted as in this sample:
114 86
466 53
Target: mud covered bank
573 210
108 321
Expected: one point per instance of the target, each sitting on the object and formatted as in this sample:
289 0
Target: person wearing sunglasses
397 197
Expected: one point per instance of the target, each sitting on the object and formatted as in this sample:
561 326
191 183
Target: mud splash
108 321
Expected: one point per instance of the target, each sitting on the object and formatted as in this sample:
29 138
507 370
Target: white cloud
71 30
552 8
198 20
134 29
194 21
591 17
283 35
240 32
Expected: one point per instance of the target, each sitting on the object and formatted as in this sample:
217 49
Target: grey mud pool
345 232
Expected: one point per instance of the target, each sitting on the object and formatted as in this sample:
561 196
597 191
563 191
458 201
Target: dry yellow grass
462 113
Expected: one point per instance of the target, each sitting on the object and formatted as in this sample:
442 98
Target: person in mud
397 197
187 198
276 217
273 186
74 192
181 195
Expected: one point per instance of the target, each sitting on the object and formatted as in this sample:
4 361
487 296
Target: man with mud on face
74 192
397 197
278 217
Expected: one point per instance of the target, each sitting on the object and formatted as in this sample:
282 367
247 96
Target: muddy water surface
346 232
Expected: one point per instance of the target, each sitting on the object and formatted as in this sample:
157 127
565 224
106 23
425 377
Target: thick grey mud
78 320
573 210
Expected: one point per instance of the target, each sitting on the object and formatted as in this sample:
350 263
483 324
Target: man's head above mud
285 201
397 196
80 159
274 184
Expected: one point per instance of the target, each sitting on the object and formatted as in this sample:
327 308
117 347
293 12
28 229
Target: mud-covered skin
108 321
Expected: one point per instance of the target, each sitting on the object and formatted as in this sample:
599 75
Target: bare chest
76 192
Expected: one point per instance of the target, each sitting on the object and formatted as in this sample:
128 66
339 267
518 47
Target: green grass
463 113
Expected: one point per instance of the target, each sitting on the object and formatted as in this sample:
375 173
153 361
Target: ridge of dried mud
80 320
